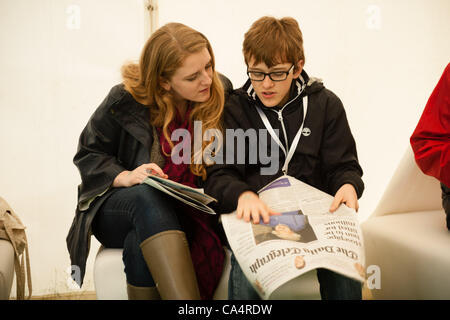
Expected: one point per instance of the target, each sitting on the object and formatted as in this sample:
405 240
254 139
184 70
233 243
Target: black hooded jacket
117 137
326 158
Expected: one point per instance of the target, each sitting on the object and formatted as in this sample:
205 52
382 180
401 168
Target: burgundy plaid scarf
206 248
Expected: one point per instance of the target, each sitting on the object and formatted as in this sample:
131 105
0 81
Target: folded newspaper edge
306 236
190 196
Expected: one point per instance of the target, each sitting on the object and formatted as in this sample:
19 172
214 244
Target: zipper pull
280 116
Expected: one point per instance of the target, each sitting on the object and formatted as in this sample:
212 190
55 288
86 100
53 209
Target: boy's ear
164 84
298 68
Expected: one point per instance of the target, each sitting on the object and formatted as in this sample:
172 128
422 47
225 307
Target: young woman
128 138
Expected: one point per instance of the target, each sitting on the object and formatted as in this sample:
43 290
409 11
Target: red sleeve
430 140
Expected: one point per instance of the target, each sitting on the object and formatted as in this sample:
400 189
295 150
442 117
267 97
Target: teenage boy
315 143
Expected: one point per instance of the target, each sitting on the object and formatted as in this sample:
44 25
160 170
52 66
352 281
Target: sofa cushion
109 275
110 279
411 250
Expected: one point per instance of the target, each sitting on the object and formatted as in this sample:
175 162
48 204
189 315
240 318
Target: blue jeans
333 286
446 202
127 218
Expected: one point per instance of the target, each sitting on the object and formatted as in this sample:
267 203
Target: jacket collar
134 118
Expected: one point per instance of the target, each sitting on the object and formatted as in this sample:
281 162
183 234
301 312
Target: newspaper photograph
191 196
304 237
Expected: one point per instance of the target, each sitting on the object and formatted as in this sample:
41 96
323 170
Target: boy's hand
251 206
346 194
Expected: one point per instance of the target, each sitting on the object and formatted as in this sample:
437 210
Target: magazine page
184 195
193 193
177 194
304 237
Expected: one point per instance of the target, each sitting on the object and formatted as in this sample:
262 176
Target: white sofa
110 281
6 268
407 238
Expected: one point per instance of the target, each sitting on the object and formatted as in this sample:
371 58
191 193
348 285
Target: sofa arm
409 190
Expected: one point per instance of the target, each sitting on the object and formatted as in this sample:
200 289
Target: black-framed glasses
274 76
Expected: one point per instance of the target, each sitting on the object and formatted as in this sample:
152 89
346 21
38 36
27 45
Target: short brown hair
274 41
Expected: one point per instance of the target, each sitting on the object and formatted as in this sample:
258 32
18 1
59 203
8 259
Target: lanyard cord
296 140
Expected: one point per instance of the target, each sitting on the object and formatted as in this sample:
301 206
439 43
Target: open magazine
304 237
191 196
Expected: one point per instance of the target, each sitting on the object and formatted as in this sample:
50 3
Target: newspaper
191 196
304 237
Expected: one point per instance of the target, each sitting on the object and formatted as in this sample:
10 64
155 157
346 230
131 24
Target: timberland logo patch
306 132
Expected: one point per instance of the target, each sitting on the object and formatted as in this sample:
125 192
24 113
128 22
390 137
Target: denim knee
149 210
239 288
446 202
334 286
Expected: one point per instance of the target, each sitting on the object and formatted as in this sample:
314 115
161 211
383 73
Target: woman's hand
131 178
251 206
346 194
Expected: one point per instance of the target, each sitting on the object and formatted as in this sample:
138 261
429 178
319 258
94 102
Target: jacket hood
300 86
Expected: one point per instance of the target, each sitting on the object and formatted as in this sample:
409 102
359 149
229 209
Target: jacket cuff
231 196
351 178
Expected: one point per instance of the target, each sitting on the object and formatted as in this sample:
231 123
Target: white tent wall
381 57
59 58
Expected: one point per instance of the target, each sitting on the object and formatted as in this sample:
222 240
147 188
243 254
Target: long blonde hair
164 52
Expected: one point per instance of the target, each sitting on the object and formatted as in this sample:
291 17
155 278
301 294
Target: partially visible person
430 140
169 251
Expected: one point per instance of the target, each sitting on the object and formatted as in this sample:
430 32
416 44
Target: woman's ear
298 68
164 84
